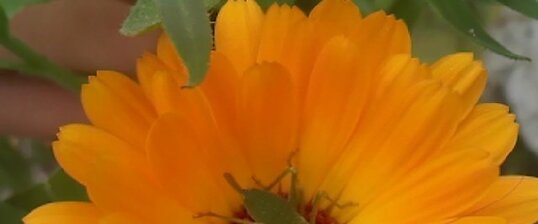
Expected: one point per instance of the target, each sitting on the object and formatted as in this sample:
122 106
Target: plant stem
38 65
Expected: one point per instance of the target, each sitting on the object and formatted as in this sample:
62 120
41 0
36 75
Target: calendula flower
369 134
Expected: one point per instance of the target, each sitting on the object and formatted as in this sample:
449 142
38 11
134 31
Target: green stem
38 65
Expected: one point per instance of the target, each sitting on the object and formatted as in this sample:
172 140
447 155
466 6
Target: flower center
308 213
262 205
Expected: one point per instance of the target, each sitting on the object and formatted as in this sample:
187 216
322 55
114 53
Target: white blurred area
516 82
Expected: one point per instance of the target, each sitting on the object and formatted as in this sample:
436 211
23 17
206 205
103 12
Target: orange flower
404 141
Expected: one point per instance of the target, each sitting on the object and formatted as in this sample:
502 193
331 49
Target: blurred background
82 36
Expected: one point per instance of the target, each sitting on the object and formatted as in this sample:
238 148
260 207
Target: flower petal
334 101
378 37
64 213
99 161
465 76
237 32
187 169
424 197
80 148
489 127
389 139
279 26
286 38
332 18
514 198
166 51
118 105
146 67
267 114
476 220
220 88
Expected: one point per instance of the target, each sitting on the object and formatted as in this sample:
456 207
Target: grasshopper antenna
233 183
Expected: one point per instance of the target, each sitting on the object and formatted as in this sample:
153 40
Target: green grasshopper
265 207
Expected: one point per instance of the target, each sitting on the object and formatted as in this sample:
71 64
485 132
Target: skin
79 34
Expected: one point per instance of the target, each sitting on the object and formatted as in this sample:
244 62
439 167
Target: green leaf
143 16
210 4
408 10
526 7
268 208
10 214
188 26
459 14
11 7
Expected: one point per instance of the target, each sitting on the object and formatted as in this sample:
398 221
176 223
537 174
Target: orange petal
465 76
166 51
170 96
397 75
167 212
489 127
267 115
64 213
99 160
378 37
219 87
186 168
334 101
394 139
81 148
129 189
514 198
475 220
237 32
279 26
424 196
146 67
120 218
286 38
332 18
118 105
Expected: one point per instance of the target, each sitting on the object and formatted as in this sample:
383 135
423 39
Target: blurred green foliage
29 177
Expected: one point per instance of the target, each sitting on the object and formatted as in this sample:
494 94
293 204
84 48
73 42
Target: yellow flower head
373 135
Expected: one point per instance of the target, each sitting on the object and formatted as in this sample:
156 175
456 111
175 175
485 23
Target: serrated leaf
268 208
526 7
210 4
459 14
187 24
11 7
142 17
